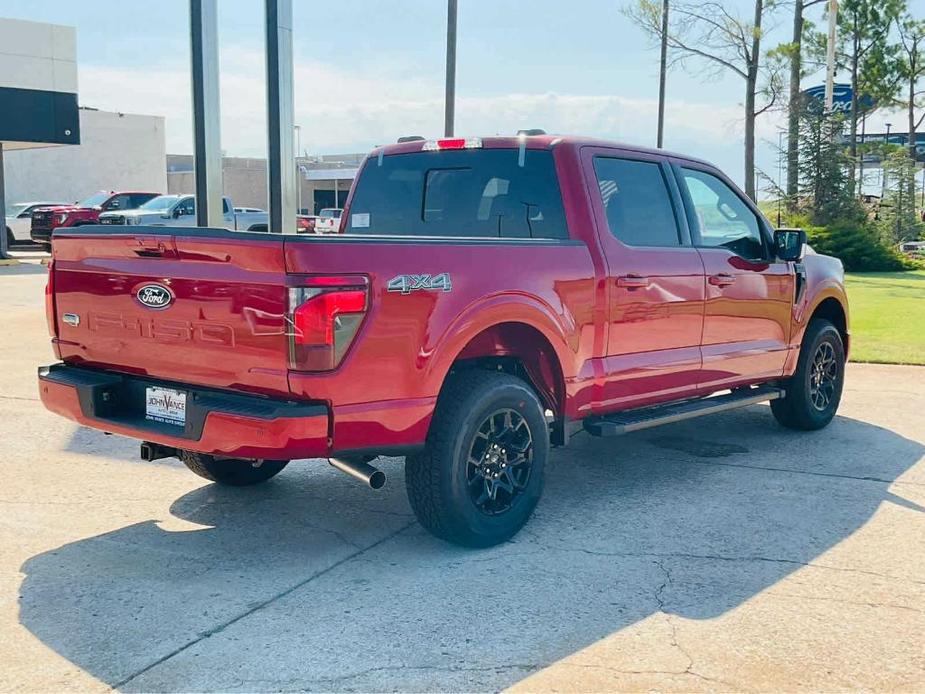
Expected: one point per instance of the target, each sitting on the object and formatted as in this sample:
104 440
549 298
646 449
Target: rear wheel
481 474
234 472
10 239
814 391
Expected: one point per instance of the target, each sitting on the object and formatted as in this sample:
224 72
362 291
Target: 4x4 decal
412 283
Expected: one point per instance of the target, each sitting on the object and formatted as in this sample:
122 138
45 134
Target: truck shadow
336 588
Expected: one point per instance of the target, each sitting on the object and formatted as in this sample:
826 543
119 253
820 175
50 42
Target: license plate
165 405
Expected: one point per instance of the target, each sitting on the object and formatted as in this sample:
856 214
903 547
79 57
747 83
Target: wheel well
523 351
831 310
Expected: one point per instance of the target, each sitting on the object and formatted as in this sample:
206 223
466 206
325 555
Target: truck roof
547 141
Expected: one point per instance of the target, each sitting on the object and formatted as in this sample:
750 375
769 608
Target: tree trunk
750 138
794 108
751 81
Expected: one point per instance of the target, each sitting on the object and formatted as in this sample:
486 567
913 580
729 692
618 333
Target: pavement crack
501 667
721 557
256 607
857 478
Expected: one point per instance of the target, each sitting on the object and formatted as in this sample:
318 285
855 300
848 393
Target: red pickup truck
485 299
46 219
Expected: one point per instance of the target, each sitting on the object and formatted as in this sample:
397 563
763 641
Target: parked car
489 298
46 219
328 221
19 220
180 211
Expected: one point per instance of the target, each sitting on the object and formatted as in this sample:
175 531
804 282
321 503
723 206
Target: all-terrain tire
442 483
802 408
231 471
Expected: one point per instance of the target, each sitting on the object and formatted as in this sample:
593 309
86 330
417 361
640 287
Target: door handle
721 280
632 281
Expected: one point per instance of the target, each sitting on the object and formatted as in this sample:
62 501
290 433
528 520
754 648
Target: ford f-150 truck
180 211
46 219
486 299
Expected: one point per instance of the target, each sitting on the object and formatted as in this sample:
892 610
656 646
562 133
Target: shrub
858 246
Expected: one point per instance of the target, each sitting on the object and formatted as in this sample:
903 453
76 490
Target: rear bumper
217 422
41 234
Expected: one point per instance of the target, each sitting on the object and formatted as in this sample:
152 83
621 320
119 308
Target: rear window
470 193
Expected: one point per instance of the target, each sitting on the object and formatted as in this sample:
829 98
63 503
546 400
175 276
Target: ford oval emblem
155 296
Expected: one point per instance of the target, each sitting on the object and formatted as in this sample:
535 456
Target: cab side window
723 220
188 206
119 202
637 202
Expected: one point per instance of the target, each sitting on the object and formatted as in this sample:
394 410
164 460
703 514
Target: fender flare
495 310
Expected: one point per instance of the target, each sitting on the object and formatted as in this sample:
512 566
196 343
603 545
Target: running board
646 417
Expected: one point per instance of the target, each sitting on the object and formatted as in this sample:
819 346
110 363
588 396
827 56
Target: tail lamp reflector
323 323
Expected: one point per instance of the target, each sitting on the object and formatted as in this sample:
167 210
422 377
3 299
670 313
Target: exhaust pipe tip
377 480
373 477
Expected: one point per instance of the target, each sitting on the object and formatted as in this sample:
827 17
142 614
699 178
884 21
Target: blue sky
368 71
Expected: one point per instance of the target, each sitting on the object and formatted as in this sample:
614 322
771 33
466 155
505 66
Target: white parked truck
180 211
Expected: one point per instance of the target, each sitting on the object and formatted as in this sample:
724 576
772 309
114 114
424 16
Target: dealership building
123 151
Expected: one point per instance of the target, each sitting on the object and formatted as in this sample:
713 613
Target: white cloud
340 111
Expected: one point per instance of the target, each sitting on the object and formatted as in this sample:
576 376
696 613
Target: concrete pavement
719 554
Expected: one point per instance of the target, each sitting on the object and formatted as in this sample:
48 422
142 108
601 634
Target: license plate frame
165 405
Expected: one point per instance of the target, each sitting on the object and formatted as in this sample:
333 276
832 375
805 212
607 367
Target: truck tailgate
199 308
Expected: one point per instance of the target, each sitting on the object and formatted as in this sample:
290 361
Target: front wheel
481 474
814 391
233 472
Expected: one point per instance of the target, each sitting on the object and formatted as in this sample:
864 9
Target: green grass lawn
887 316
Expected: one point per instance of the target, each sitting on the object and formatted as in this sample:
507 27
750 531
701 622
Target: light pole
449 114
780 171
883 162
298 176
830 57
663 67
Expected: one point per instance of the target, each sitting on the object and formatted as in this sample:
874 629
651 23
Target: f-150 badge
413 283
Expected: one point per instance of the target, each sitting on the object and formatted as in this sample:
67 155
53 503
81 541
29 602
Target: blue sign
841 98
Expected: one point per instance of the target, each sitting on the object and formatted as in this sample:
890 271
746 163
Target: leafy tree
864 28
720 40
912 72
898 219
825 168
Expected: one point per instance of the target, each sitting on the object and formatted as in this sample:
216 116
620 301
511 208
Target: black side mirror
177 211
790 244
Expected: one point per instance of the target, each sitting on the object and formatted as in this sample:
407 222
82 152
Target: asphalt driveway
724 553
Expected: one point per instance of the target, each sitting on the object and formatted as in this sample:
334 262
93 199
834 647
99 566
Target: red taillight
323 324
452 143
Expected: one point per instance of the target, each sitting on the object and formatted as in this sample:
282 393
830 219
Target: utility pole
207 142
830 57
663 68
450 96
